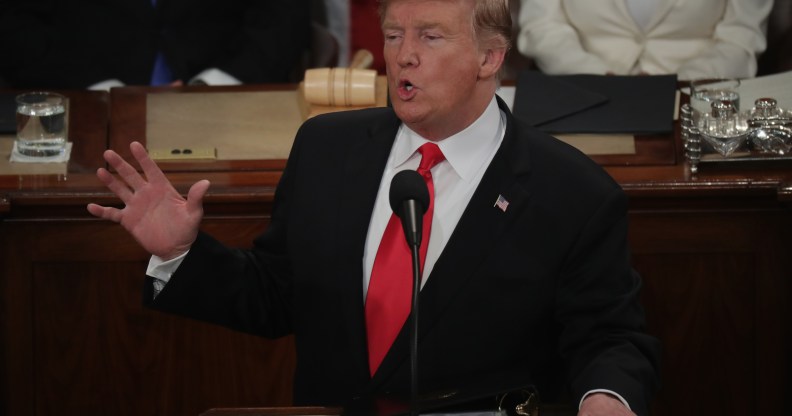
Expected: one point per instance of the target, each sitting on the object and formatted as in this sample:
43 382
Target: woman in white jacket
692 38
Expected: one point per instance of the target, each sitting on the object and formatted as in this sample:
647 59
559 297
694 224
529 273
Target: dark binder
596 103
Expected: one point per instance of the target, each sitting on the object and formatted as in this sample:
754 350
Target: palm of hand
155 214
161 220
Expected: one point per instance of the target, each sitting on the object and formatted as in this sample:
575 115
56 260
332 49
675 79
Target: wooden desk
713 250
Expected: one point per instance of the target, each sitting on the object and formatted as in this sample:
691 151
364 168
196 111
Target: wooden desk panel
77 339
128 124
716 293
88 127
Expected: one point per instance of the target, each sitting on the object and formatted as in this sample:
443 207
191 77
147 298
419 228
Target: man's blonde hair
492 23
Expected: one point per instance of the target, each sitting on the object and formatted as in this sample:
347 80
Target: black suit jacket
543 290
74 44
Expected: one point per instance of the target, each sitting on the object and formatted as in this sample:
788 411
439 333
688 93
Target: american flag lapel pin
501 203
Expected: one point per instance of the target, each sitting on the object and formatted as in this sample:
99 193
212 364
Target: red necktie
390 287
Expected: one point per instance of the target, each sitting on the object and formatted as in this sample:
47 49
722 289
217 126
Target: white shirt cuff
214 76
612 393
163 269
106 85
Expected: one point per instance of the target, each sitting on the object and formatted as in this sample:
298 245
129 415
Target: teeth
408 87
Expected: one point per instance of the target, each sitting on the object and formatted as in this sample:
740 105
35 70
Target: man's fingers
107 213
95 210
124 169
119 188
152 171
196 194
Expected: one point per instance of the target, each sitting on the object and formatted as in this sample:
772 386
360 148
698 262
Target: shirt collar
464 151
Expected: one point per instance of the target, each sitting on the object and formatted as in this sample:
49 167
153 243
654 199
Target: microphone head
408 185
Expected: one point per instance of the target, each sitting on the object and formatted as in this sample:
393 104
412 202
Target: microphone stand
409 188
414 330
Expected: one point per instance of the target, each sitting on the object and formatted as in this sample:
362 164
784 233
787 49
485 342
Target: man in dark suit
526 275
80 44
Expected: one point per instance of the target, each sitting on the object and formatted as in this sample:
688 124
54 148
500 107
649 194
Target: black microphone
409 199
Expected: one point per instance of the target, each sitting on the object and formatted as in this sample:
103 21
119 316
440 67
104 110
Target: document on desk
778 86
239 125
596 104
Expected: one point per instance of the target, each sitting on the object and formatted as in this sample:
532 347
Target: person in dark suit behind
527 269
100 44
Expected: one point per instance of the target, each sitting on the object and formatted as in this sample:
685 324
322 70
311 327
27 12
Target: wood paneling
79 341
716 294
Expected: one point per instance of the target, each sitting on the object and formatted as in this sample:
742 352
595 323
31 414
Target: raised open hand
156 215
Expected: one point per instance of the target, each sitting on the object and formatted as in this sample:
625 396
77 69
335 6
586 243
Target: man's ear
491 62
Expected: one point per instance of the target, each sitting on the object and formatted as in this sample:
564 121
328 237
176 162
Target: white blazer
692 38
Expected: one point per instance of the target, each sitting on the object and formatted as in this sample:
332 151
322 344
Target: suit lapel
362 172
471 243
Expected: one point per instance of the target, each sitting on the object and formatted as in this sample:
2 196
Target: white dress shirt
467 153
642 11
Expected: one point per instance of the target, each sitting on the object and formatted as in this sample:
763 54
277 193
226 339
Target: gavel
343 87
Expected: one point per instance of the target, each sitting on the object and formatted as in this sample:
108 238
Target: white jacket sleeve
737 41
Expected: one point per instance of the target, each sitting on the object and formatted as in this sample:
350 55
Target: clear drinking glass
41 124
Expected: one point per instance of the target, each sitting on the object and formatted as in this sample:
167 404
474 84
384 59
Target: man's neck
478 103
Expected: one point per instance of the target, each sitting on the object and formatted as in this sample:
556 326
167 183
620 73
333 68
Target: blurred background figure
99 44
778 56
356 26
692 38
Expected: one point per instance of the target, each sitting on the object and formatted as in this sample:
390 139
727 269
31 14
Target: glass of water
703 92
41 124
